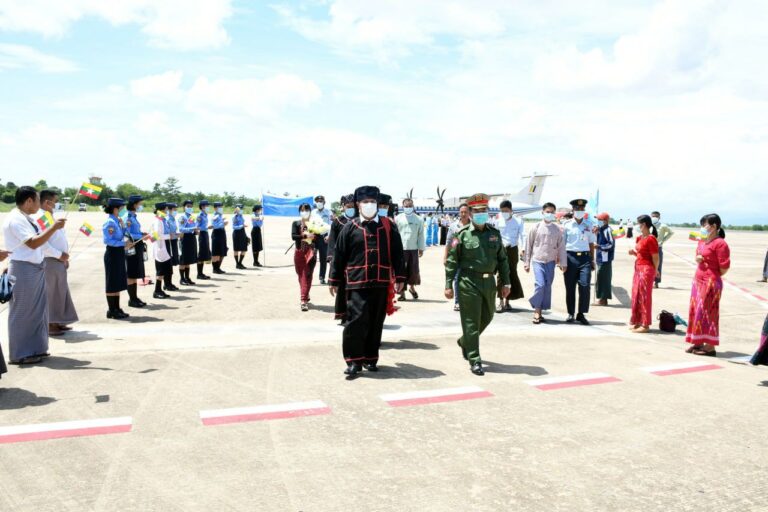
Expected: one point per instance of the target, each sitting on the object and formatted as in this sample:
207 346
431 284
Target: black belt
582 253
483 275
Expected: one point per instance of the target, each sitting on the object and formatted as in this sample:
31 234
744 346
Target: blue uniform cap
135 198
217 204
114 202
171 205
188 202
204 202
256 207
161 206
239 206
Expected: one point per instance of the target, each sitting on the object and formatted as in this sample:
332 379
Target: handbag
667 321
6 287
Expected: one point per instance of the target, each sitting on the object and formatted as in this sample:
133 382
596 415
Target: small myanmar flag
45 221
90 190
86 229
694 236
154 236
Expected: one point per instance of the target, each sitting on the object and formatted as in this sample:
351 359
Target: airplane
526 201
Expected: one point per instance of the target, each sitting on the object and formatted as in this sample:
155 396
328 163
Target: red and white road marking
264 412
82 428
666 370
435 396
572 381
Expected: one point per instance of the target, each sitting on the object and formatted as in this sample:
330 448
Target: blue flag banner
280 206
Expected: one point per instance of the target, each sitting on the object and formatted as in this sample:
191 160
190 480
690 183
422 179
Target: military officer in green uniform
478 253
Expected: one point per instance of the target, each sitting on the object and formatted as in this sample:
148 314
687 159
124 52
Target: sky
662 105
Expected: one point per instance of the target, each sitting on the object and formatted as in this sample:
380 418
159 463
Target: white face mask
369 210
305 215
549 217
506 215
320 206
656 221
578 214
408 210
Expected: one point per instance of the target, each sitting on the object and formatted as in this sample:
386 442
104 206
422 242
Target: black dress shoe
171 288
122 314
117 314
463 352
570 319
371 367
183 281
477 368
136 303
353 369
203 276
27 360
322 280
582 319
160 295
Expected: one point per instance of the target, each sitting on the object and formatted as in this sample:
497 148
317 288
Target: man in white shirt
28 309
513 237
61 309
321 214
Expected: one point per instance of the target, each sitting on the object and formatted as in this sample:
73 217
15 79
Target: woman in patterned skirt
646 252
714 259
761 356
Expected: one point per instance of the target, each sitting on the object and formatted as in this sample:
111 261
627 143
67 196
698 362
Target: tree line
169 190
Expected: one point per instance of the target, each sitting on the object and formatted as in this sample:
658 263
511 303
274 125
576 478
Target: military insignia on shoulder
111 230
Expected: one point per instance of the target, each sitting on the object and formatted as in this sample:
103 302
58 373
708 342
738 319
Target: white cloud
179 24
165 85
17 56
257 98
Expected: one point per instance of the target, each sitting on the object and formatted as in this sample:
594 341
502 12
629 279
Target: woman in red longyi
714 259
646 268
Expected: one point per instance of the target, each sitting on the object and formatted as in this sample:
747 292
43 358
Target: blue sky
662 105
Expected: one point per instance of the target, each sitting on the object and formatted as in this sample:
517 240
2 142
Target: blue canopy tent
280 206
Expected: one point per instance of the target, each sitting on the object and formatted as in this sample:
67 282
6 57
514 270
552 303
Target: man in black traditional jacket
368 254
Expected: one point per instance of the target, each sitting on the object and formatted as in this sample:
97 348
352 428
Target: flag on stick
86 229
45 221
90 190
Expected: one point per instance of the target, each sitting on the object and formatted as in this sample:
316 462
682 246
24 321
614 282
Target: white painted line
435 396
264 412
570 381
79 428
665 370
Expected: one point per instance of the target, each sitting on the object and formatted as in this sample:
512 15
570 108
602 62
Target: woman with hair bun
646 252
714 259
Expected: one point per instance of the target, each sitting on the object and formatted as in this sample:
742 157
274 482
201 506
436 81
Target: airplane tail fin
531 193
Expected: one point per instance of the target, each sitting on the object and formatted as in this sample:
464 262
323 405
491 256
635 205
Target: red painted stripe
58 434
577 383
241 418
437 399
703 368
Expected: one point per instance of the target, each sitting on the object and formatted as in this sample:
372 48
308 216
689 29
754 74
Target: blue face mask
173 213
188 211
383 212
219 210
349 212
704 231
139 208
408 210
122 212
480 218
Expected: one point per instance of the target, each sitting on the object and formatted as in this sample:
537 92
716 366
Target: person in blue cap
257 243
239 238
203 239
219 247
113 235
188 228
173 244
161 250
134 252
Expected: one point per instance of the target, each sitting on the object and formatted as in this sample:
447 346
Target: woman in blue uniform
218 238
134 251
188 228
113 233
173 245
239 238
257 244
203 239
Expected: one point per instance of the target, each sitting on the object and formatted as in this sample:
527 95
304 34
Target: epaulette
463 228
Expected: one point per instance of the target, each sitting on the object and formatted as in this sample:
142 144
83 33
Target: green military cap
478 201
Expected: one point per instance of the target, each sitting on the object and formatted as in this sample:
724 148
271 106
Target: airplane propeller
440 202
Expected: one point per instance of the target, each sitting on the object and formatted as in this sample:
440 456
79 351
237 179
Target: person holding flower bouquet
304 257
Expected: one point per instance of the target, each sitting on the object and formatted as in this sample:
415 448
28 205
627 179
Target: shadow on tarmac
622 296
408 345
17 398
143 319
391 327
67 363
78 337
404 371
157 307
514 369
322 308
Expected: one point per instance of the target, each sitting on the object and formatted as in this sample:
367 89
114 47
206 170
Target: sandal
414 294
537 320
692 348
709 353
304 306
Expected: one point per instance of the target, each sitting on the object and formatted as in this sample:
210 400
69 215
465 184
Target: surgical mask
368 210
408 210
705 231
320 206
549 217
578 214
188 211
480 218
139 208
122 212
383 212
207 209
506 215
305 215
656 221
349 212
219 210
173 213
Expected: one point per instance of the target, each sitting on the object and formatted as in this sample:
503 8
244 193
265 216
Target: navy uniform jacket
218 221
606 245
363 258
202 221
133 227
113 232
238 222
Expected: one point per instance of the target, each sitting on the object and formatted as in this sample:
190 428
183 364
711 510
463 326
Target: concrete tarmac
691 441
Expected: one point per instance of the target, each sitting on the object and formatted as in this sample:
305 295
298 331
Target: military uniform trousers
477 296
366 311
578 274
